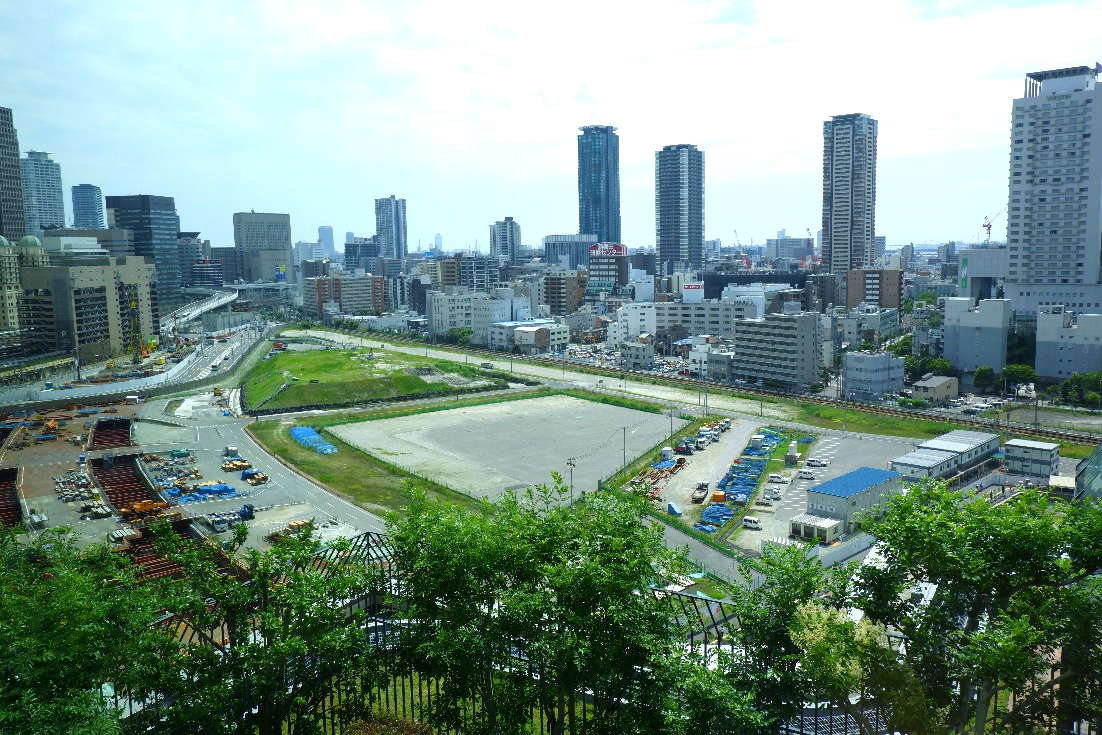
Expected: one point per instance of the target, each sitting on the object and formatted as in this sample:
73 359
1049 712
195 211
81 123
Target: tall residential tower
12 223
679 204
390 227
87 207
1054 213
849 192
43 200
505 240
599 182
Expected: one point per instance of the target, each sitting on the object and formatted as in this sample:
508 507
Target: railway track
1029 430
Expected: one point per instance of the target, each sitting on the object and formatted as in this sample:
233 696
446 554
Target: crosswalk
826 448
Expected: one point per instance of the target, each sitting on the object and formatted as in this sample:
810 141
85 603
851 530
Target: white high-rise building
43 200
849 192
1054 214
390 227
505 240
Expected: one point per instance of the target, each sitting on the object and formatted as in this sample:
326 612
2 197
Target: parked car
806 475
778 478
817 463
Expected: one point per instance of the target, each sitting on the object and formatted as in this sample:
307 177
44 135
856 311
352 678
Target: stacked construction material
10 512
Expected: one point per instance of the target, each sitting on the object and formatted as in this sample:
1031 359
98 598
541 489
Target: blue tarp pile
309 438
806 439
219 490
87 411
741 480
716 514
663 465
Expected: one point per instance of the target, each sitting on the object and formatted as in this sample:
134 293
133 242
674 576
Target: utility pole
625 445
570 466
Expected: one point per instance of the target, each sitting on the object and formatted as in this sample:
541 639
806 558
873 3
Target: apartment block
869 376
976 335
562 290
883 288
343 295
778 349
452 308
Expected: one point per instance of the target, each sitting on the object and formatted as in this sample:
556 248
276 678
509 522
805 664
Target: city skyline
942 137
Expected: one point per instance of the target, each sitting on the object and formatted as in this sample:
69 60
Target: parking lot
843 453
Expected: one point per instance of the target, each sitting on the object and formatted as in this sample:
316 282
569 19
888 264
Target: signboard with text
604 249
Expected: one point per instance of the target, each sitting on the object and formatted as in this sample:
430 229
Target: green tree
984 377
273 633
903 347
72 621
567 585
1017 609
937 366
1019 374
1093 399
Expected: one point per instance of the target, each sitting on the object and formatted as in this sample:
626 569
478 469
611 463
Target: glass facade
599 182
156 228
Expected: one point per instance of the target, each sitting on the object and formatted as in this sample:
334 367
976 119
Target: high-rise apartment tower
390 227
849 192
505 240
599 182
679 204
1054 212
13 225
43 200
87 207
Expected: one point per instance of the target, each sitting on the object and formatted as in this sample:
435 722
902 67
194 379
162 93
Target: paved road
213 432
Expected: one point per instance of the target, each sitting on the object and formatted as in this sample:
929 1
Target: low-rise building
936 388
869 376
849 495
531 340
970 447
636 355
1027 457
923 463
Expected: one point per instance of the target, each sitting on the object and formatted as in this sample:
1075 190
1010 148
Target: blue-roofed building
856 492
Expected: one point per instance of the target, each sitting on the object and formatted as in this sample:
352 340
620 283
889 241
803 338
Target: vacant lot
338 377
483 450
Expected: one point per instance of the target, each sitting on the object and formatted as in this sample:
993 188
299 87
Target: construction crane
135 329
989 220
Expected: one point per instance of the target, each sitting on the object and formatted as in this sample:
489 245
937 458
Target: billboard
604 249
692 293
281 273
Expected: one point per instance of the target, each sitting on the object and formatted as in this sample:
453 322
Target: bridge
190 311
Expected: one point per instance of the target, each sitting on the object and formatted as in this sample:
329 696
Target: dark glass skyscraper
679 204
87 207
156 228
599 182
12 222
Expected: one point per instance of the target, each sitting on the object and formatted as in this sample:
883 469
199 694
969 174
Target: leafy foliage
984 377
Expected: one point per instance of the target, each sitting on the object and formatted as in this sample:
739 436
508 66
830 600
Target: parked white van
751 522
806 475
778 478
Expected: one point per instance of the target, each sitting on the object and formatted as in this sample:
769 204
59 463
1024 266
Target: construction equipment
142 508
989 220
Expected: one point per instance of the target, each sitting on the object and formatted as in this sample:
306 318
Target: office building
882 288
793 248
599 182
90 304
645 261
438 245
117 243
43 200
233 266
264 239
573 248
505 240
155 225
342 295
191 248
608 267
849 192
87 207
781 350
879 246
390 227
1068 343
13 225
976 335
869 376
314 269
358 251
679 204
1054 212
451 308
675 319
325 237
207 273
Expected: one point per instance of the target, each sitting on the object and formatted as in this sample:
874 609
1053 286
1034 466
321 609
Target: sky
470 110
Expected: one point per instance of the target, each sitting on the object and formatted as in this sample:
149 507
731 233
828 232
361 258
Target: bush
388 725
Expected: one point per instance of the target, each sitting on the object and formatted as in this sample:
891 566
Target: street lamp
570 466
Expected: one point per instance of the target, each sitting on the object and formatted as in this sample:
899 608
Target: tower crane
745 258
989 220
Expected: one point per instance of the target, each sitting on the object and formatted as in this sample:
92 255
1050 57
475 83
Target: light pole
570 466
625 445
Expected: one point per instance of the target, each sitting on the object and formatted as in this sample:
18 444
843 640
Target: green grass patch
370 483
830 417
1076 451
343 376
